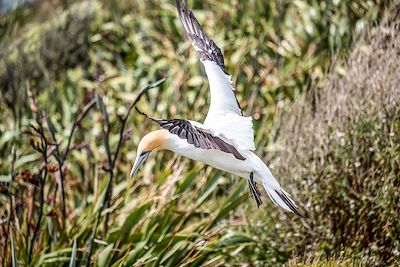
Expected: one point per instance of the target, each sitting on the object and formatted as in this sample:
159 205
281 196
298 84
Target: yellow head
150 142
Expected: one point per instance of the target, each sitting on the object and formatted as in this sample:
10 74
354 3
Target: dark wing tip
198 137
205 47
180 4
140 112
182 8
147 116
289 202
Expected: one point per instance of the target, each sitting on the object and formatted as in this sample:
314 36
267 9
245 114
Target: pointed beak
139 161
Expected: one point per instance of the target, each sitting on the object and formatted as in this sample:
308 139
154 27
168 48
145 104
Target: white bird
226 138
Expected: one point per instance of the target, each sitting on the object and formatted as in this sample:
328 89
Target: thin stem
35 233
43 149
10 218
126 117
62 158
81 115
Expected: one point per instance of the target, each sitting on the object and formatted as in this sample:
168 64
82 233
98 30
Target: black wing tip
182 7
180 3
147 116
144 114
289 202
206 48
141 112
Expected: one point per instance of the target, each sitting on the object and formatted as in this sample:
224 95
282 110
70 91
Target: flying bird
226 138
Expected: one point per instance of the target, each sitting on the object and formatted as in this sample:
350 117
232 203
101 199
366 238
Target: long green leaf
104 256
14 261
72 262
208 189
131 220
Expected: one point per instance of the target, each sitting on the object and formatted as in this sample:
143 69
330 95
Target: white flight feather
224 115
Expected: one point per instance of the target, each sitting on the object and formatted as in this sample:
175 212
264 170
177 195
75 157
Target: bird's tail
279 196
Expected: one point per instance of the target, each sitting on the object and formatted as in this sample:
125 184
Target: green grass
175 212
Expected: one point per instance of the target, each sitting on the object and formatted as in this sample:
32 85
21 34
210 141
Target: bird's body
225 140
213 157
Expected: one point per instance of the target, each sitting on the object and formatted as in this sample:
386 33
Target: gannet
225 140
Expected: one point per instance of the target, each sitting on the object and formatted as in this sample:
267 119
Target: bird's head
152 141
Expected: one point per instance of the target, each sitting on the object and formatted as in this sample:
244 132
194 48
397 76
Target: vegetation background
320 78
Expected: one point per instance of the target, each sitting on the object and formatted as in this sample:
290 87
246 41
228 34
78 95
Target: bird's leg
254 190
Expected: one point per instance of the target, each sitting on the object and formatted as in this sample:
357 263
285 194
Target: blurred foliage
339 146
55 59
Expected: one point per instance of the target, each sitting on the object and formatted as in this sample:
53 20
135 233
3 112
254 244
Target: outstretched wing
223 99
196 136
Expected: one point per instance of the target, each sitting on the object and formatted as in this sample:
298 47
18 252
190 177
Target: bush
340 148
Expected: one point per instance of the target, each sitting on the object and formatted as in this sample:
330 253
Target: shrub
340 148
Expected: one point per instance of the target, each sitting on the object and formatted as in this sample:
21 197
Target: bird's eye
143 153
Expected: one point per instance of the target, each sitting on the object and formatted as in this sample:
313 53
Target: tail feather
275 192
281 198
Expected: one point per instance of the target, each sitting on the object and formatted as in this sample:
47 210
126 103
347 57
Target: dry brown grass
340 147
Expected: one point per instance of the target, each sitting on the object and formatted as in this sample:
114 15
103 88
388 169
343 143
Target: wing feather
224 115
195 135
